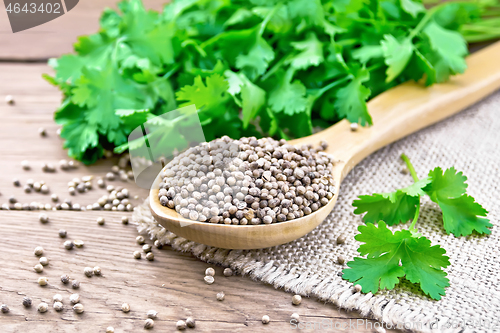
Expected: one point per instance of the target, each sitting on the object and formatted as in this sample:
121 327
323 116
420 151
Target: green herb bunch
406 253
280 68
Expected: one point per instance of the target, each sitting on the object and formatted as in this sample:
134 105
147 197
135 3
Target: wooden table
172 284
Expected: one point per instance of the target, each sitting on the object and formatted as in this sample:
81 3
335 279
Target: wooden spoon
396 113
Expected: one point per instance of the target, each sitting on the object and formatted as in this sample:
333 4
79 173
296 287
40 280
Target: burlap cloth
470 141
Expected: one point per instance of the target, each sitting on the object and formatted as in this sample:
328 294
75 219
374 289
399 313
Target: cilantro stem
415 218
410 167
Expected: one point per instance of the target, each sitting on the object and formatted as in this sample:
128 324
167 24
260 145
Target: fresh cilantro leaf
447 185
367 53
396 54
411 7
311 53
393 208
288 97
391 256
350 100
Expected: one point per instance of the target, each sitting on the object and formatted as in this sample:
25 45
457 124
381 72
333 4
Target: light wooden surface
396 113
172 284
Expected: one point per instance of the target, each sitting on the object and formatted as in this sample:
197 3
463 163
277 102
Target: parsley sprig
276 68
406 253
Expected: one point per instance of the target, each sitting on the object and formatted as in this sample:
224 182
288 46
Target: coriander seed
75 284
190 322
78 308
146 248
296 299
152 314
209 279
265 319
42 132
27 302
62 233
43 307
125 307
210 271
38 251
228 272
74 298
354 127
295 317
358 288
4 308
221 296
38 268
137 254
69 245
16 182
149 323
150 256
42 281
181 325
58 306
110 329
158 244
9 99
78 243
44 261
25 165
100 220
140 240
341 239
57 298
341 260
65 278
88 271
124 220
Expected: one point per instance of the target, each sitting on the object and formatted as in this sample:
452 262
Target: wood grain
172 284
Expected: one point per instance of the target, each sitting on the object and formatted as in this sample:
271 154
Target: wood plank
172 284
57 36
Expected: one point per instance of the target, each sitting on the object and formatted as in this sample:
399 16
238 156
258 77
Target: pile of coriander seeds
247 181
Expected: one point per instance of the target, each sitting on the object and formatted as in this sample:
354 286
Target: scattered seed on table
44 189
16 182
140 240
100 183
357 288
62 233
97 270
43 307
78 243
44 261
42 131
190 322
73 164
110 188
75 284
18 206
210 271
110 176
110 329
150 256
63 164
38 268
58 306
265 319
181 325
158 244
25 165
221 296
74 298
380 329
100 220
341 239
149 323
78 308
137 254
4 308
354 127
71 190
88 271
27 189
38 251
296 299
42 281
295 316
57 298
146 248
125 307
69 245
27 302
152 314
65 278
47 167
209 279
9 99
341 260
228 271
12 199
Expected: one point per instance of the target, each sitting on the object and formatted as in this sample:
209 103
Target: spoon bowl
396 113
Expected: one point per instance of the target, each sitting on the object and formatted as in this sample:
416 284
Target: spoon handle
410 107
